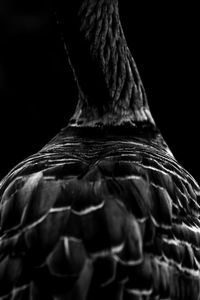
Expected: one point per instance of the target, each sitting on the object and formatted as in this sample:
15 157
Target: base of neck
88 116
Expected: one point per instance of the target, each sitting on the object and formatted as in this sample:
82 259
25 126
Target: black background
38 94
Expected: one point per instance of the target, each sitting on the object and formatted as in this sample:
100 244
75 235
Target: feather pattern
118 215
104 210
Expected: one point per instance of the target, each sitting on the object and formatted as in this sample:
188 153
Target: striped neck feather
110 89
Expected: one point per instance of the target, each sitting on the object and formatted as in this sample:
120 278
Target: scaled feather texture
104 210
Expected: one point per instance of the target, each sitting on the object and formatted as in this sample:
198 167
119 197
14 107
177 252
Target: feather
104 210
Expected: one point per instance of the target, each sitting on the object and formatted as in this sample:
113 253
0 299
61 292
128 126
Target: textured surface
103 210
114 219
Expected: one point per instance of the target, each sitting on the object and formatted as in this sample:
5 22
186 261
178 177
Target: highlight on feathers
104 210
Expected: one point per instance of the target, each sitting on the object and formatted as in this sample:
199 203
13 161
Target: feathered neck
109 86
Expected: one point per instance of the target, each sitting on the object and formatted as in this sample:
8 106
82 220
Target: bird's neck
110 89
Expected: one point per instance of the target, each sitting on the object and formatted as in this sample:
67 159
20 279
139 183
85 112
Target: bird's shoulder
138 209
147 184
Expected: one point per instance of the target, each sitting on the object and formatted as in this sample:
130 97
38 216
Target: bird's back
107 215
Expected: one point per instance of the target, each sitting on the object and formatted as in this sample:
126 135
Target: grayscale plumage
104 210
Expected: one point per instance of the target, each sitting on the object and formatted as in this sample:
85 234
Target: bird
104 210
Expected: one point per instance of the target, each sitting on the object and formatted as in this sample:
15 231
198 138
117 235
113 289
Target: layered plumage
104 210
